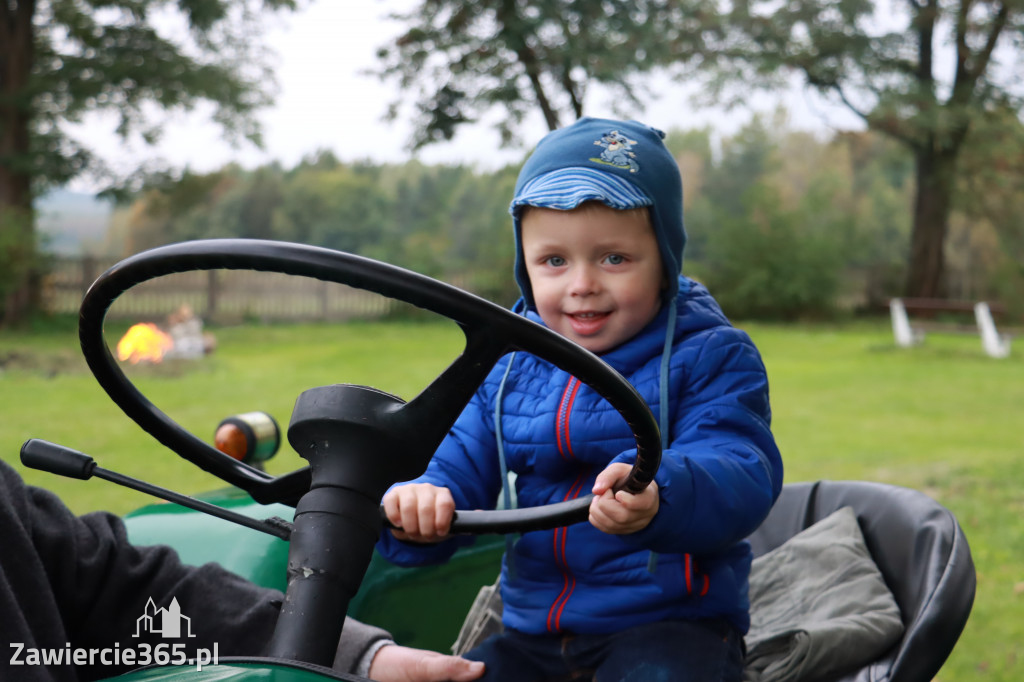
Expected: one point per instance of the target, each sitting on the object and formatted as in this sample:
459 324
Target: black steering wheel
417 426
358 440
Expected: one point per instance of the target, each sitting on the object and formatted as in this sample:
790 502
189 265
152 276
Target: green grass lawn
942 418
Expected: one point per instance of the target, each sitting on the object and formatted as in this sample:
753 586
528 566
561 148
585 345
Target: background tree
990 194
60 59
462 60
924 72
774 223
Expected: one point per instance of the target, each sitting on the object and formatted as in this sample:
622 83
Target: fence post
88 273
212 293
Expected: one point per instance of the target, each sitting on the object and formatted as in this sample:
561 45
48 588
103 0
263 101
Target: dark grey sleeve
357 639
78 580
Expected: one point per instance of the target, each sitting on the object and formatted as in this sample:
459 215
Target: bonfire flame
143 342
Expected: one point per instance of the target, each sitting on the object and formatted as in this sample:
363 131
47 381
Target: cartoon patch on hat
617 151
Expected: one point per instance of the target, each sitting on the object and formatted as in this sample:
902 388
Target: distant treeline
449 222
781 224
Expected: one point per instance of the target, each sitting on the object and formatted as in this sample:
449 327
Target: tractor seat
918 547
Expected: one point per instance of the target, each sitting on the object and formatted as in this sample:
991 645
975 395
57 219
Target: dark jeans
670 651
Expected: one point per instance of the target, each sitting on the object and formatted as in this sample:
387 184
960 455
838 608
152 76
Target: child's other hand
620 512
422 511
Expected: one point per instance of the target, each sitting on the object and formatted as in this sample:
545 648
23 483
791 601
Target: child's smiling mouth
589 322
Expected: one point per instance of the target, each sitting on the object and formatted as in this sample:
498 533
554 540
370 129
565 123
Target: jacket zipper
562 418
690 572
560 534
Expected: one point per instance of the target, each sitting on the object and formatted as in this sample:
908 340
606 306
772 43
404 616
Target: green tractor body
422 607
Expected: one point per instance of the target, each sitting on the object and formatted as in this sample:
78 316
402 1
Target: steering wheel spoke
433 412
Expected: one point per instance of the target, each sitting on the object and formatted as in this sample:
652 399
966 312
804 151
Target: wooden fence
223 296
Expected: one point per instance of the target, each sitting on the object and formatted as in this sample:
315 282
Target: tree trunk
18 283
514 30
926 271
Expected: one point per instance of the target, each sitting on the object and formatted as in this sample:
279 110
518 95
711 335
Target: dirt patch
52 364
172 367
48 364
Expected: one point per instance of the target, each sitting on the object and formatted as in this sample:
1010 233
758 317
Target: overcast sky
325 101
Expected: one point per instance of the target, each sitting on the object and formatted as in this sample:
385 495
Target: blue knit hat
623 164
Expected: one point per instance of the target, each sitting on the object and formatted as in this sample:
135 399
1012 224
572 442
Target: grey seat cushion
819 605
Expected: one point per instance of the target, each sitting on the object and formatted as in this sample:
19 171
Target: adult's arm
78 580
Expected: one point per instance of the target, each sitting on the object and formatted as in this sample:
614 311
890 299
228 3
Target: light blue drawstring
663 413
505 488
666 361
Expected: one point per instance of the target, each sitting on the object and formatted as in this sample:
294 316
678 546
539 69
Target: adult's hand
394 663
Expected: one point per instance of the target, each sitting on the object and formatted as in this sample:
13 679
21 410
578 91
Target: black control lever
63 461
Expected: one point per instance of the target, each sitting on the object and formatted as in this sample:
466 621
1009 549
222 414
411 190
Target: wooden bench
994 344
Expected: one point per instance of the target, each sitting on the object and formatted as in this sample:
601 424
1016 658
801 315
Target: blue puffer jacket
719 477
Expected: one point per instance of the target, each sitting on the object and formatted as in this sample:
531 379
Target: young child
654 587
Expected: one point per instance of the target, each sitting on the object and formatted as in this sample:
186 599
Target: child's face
596 272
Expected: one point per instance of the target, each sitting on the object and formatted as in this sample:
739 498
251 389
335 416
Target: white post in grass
994 343
901 330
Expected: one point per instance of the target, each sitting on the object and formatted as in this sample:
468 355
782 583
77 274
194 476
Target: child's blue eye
556 261
615 259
